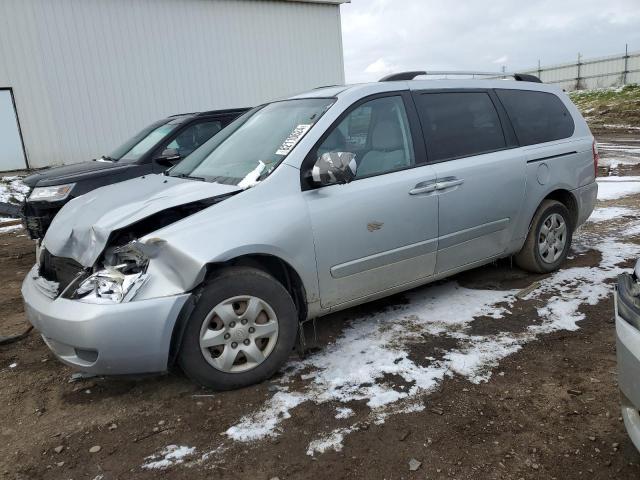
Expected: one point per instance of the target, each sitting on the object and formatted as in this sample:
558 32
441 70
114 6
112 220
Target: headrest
387 136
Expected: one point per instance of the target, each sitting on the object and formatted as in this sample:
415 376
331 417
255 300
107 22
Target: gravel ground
467 378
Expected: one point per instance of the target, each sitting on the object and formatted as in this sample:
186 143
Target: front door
11 152
379 231
480 174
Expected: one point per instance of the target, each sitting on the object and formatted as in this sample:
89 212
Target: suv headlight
51 194
117 283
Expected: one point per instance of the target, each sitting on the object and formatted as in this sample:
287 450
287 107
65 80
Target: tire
530 257
235 293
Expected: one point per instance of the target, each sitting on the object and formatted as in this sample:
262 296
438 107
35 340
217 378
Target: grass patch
610 108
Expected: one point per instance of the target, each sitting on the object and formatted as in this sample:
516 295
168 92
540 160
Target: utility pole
539 70
579 65
626 64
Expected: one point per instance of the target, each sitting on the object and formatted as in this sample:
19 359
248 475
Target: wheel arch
562 195
275 266
567 199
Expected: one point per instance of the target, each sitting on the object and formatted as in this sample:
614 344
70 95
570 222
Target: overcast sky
382 36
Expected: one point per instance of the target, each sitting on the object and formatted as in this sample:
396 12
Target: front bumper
628 353
105 339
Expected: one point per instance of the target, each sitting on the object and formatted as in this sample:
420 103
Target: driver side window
193 136
378 133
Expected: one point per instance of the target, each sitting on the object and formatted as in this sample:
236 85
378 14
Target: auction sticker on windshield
292 139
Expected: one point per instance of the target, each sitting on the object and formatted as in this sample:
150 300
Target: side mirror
334 168
168 157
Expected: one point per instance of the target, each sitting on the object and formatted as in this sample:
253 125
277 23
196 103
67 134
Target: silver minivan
306 206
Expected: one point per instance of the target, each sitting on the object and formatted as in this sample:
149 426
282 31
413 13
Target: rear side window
537 117
459 124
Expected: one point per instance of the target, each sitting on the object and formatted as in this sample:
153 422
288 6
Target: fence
611 71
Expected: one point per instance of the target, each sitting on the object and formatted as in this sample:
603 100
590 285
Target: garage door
11 153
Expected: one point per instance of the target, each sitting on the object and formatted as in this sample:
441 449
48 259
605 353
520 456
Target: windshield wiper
184 175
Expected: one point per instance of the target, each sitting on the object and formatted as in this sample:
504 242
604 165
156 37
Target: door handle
454 182
423 187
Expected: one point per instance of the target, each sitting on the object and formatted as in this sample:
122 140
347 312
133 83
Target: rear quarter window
537 117
459 124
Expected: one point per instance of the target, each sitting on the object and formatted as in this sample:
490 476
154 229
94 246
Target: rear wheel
241 331
549 239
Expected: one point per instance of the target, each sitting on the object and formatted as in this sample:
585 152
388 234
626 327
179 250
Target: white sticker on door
292 139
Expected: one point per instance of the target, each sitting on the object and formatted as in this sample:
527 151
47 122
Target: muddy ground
551 410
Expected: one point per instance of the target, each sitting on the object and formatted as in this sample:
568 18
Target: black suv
159 146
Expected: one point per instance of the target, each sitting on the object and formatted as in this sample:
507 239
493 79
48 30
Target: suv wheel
241 331
549 239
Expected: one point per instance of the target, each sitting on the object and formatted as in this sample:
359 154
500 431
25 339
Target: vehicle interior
378 133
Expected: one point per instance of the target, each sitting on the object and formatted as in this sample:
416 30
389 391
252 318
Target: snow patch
614 178
610 213
263 423
374 347
251 179
613 187
354 367
626 127
476 361
10 228
12 190
170 455
215 454
344 412
332 441
633 230
574 287
617 147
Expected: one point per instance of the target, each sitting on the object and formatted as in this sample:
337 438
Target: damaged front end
94 252
107 289
123 273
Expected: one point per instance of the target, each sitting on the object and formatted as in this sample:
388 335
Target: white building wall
87 74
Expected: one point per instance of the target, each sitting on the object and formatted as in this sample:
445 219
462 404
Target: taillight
596 157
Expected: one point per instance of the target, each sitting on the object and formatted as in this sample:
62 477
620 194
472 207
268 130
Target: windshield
143 141
251 147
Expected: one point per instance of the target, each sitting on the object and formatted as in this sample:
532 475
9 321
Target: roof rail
521 77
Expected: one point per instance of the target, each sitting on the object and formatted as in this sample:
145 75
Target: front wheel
241 331
549 239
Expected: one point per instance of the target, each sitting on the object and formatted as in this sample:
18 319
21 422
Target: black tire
529 257
228 283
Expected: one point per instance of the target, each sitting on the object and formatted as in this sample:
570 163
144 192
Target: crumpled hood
81 229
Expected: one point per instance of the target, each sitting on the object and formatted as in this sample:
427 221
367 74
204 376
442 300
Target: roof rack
520 77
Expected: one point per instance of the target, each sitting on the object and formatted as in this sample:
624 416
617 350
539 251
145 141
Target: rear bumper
586 197
105 339
628 353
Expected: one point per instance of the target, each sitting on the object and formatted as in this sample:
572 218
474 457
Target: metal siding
594 73
88 74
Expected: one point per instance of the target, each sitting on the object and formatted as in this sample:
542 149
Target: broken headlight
115 283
